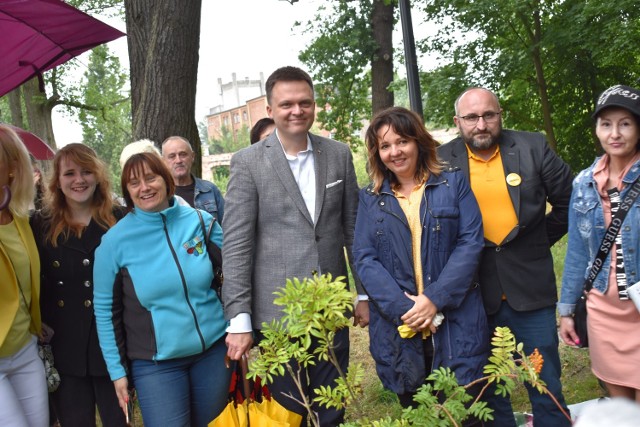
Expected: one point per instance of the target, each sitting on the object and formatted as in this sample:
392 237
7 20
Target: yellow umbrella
267 413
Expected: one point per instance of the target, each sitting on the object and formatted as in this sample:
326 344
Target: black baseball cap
619 96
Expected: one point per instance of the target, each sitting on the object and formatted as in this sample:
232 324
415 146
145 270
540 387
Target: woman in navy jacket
415 209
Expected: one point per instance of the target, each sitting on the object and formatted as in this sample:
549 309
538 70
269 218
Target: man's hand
238 344
361 314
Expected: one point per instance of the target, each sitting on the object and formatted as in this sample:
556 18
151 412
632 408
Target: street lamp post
413 80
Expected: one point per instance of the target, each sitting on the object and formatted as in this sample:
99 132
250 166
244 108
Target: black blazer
66 298
521 267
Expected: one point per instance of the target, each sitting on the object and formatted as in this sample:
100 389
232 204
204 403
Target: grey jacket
269 235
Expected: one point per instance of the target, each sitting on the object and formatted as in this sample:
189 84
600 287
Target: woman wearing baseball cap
598 193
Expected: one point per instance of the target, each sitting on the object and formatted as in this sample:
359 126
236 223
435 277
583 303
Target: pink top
614 342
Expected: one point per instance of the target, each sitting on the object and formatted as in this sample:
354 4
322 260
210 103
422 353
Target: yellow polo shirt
489 185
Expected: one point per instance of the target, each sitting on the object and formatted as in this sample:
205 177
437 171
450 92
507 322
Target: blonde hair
16 158
57 210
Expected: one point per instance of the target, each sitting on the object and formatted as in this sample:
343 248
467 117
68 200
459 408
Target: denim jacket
208 198
586 230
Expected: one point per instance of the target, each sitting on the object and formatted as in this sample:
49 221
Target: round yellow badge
513 179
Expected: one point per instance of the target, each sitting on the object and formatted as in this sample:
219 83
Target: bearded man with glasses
514 175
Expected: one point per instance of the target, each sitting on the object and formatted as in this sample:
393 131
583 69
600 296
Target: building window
245 116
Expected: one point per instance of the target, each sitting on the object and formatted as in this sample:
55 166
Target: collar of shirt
291 157
473 156
303 169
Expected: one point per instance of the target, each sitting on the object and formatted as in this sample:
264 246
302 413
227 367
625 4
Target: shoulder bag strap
611 233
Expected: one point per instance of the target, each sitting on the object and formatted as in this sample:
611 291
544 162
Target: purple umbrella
37 35
36 146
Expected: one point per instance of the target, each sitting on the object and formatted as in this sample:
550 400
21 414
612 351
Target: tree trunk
382 61
15 107
39 112
164 38
535 37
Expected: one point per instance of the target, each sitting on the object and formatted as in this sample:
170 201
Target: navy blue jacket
452 241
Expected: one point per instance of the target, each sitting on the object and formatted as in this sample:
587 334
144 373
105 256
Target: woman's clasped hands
420 317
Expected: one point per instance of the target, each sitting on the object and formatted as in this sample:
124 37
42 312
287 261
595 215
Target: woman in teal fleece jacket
159 321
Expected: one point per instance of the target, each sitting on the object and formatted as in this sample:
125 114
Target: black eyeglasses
472 119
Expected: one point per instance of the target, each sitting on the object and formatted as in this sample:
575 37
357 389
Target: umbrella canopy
36 146
37 35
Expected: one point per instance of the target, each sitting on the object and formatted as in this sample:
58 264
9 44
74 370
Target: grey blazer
269 235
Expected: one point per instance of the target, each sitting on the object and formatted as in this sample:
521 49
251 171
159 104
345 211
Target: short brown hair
135 167
409 125
286 74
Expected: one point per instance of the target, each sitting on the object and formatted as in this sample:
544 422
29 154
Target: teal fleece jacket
153 298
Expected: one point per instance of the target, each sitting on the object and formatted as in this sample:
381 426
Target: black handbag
580 320
580 311
215 256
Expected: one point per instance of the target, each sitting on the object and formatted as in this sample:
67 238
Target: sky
242 36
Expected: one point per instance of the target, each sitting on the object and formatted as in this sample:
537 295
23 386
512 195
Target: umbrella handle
7 197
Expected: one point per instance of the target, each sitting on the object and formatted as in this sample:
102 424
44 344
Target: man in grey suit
514 176
290 208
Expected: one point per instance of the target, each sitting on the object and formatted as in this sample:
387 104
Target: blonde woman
23 390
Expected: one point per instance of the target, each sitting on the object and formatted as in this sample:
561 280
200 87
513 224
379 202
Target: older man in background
179 156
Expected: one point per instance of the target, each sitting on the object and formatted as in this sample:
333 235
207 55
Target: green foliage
106 126
65 88
5 115
360 166
441 401
546 60
440 88
338 58
314 310
221 178
228 142
105 7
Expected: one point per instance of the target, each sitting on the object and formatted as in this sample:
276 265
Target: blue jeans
188 391
535 329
